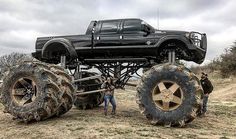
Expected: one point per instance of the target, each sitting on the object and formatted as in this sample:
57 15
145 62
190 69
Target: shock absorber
171 57
63 61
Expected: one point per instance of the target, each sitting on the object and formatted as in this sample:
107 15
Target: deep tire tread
57 98
154 120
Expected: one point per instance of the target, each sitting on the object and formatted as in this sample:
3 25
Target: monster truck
167 93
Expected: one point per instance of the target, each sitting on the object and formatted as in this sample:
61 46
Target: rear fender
62 41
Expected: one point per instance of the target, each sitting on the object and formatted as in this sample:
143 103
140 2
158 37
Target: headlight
196 38
187 34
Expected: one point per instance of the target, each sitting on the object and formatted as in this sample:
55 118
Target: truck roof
119 19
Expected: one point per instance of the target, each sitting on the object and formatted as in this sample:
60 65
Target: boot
113 112
105 112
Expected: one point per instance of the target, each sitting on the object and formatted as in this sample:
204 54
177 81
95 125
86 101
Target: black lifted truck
167 93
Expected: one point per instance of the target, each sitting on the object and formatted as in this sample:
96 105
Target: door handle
121 37
98 38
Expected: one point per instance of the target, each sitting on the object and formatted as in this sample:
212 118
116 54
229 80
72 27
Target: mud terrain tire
92 100
169 95
36 91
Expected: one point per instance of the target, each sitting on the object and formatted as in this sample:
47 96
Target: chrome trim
198 39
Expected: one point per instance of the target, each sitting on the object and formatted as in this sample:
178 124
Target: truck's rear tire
169 95
92 100
32 91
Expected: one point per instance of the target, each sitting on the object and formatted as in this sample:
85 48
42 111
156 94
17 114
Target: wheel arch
181 42
60 45
172 38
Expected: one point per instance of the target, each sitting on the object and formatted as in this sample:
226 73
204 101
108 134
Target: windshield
152 29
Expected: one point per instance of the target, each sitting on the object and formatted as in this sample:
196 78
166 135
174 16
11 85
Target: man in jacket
109 95
207 88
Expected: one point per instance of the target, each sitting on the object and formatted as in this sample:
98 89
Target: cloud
22 21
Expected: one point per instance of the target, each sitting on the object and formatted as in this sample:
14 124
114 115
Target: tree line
225 64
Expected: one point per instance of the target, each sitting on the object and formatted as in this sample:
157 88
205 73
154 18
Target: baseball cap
203 73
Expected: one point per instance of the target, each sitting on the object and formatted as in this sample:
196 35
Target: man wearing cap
207 88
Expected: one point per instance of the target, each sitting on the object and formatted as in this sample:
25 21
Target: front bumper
198 39
199 42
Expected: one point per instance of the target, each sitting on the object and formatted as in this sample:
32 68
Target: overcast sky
22 21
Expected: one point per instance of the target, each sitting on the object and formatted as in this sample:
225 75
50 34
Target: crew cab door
137 39
107 34
132 33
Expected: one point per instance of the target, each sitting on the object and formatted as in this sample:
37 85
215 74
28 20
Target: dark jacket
206 86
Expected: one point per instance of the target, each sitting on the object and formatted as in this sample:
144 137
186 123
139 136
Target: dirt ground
220 121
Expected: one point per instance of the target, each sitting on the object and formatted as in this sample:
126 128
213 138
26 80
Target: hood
170 32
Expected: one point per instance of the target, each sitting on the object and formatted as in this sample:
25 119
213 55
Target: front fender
173 37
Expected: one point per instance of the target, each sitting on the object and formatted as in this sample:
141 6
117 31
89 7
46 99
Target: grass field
220 121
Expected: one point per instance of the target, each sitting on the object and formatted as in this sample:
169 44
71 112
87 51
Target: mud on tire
169 95
36 91
92 100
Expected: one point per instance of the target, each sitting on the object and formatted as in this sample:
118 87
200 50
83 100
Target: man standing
109 95
207 88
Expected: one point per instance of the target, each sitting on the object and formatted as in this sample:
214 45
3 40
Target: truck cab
120 32
122 37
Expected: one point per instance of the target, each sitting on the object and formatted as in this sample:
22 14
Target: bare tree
7 61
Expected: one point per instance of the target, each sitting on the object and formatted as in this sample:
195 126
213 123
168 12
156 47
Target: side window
109 27
131 26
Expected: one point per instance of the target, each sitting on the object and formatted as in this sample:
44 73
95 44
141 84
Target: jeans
204 106
111 99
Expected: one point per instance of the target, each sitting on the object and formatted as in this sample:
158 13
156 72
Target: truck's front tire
169 95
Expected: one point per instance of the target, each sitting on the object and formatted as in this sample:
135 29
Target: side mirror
145 29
